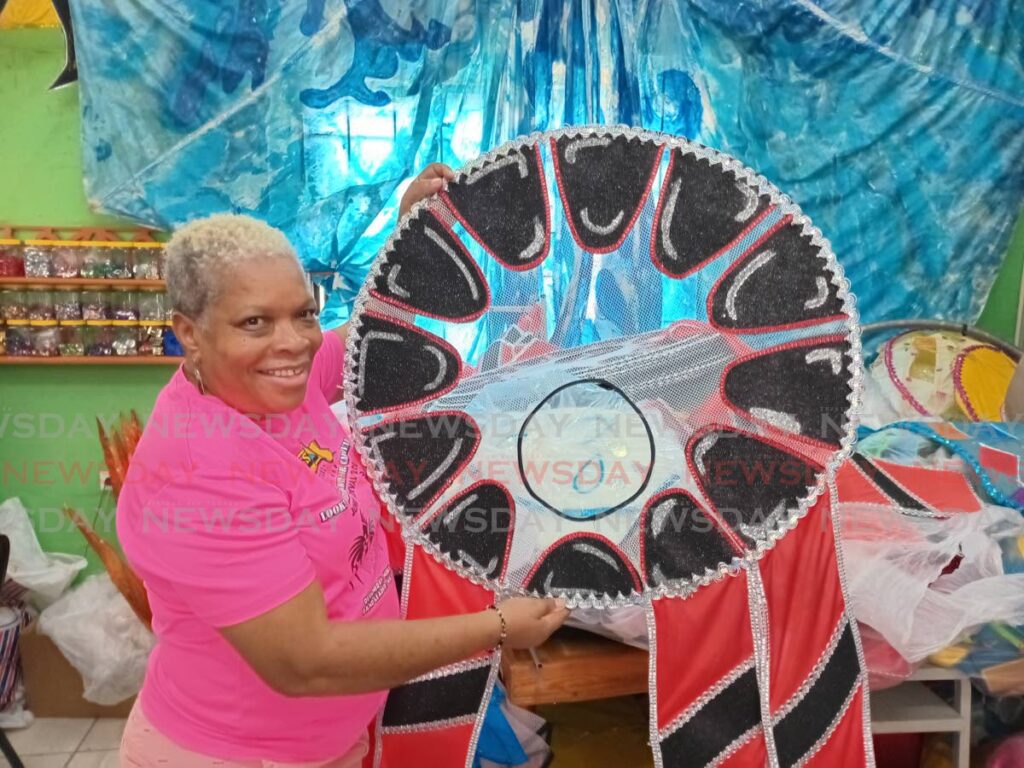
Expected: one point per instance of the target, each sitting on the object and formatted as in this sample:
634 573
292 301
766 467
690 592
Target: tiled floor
67 743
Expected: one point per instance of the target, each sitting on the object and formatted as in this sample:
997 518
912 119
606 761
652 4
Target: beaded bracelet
504 626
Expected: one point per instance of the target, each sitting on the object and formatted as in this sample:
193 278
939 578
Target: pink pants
143 746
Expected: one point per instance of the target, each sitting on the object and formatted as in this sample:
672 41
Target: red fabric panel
939 488
846 747
443 747
998 461
801 584
751 755
853 486
393 538
700 639
437 591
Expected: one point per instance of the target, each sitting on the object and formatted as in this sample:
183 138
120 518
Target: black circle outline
647 427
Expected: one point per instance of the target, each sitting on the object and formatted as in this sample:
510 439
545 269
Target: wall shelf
114 360
914 707
79 282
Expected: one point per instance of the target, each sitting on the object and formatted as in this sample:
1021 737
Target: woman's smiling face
255 342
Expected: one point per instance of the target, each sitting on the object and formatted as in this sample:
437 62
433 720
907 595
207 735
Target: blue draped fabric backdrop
897 125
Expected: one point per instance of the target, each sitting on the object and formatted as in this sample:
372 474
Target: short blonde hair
201 253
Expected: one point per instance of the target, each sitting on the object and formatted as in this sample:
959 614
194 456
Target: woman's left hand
432 180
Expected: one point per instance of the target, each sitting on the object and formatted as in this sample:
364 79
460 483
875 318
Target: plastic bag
627 624
96 629
44 574
886 668
896 571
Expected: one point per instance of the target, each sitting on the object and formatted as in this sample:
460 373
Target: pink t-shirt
226 517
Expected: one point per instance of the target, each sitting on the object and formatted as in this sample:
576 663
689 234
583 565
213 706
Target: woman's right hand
529 621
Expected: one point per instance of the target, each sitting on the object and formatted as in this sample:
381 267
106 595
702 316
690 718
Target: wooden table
574 666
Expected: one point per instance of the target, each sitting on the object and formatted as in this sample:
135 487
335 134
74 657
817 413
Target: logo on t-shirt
312 455
361 546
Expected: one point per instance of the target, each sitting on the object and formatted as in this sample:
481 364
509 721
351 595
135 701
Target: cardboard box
53 687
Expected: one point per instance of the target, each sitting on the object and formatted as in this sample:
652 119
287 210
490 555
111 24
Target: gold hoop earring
199 378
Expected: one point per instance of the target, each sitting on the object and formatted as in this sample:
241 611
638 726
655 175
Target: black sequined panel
782 282
702 210
516 235
422 456
679 539
801 388
584 563
429 271
604 181
475 528
398 364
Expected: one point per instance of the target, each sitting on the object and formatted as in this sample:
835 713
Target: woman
247 513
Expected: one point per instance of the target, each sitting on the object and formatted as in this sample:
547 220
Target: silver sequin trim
666 220
442 367
434 725
787 422
393 285
750 201
453 669
378 746
601 229
821 286
447 249
757 605
484 703
730 750
869 744
574 147
652 684
741 279
536 245
516 159
406 579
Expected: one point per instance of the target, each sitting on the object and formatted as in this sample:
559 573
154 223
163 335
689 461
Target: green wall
49 451
1000 313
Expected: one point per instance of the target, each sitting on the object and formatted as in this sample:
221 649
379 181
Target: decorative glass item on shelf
96 305
38 255
67 260
72 338
126 337
121 263
125 304
96 264
12 260
98 336
151 338
40 303
152 304
45 337
13 304
3 338
19 339
67 303
146 261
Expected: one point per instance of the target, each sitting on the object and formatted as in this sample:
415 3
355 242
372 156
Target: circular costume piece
982 376
604 364
945 374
